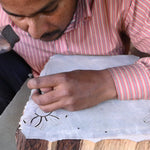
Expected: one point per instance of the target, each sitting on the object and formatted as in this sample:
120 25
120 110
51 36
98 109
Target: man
83 27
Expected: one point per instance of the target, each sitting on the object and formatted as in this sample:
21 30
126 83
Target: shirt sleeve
133 81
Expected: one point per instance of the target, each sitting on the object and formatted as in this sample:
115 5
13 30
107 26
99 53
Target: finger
45 90
46 98
52 107
41 91
45 81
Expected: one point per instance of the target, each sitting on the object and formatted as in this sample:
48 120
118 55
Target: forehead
23 2
24 5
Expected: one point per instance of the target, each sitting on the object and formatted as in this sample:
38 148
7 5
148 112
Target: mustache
49 34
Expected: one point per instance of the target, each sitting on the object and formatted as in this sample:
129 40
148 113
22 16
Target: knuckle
37 81
65 92
63 77
70 108
70 102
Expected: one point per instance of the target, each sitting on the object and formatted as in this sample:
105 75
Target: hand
73 90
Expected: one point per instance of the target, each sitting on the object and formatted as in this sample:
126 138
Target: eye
16 17
51 9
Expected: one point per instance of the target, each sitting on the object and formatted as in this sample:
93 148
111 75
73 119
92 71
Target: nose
35 27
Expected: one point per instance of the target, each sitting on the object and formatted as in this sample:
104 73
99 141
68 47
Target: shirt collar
83 13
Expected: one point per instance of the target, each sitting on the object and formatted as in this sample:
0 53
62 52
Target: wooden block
52 145
144 145
116 144
87 145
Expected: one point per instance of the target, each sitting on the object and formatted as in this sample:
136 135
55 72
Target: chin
47 39
51 38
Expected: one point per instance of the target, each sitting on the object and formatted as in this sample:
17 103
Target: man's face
42 19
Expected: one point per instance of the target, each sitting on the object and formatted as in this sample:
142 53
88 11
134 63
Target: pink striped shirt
94 30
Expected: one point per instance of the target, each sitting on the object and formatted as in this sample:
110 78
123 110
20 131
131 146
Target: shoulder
138 23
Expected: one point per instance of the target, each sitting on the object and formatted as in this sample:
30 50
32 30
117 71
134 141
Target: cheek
68 14
61 20
20 23
62 17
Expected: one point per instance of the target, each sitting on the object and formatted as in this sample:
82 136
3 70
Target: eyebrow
35 13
